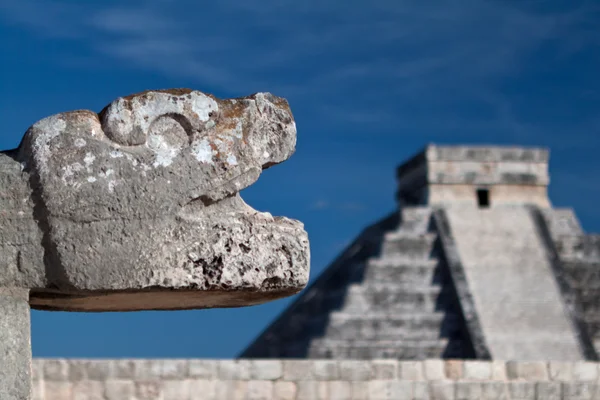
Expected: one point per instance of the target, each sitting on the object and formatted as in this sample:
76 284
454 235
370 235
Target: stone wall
57 379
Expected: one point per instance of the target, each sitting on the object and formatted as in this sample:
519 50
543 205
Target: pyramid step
373 349
401 270
399 261
383 326
390 297
582 275
409 245
415 219
578 247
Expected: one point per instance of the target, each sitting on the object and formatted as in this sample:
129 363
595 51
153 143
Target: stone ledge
74 370
277 379
190 389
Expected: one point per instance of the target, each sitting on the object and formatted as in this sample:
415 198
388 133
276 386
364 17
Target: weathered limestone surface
138 207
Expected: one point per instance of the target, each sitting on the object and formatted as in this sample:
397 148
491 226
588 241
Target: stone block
521 390
77 370
410 370
203 369
441 390
123 369
174 369
495 390
355 370
477 370
434 370
56 370
204 388
581 391
420 391
468 391
232 370
339 390
585 371
58 390
119 390
390 390
560 371
548 391
326 370
37 390
88 390
284 390
264 370
147 370
231 390
360 390
297 370
453 369
96 370
312 390
527 370
384 369
498 370
260 390
177 390
37 370
148 390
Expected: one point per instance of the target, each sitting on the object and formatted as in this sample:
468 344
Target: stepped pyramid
475 264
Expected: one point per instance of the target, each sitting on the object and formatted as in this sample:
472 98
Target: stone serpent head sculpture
138 207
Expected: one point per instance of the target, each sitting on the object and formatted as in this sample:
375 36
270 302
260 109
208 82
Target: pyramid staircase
392 305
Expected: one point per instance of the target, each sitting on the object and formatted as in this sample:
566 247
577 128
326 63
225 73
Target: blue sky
369 82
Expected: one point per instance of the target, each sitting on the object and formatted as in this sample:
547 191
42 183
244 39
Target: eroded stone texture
139 208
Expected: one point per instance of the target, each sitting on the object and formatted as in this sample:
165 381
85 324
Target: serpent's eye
128 121
120 124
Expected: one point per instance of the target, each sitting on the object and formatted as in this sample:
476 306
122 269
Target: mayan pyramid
475 263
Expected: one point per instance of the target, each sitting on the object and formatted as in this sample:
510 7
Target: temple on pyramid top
475 263
477 176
